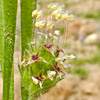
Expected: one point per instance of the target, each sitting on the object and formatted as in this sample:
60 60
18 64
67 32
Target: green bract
36 67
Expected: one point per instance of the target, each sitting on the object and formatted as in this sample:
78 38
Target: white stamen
40 83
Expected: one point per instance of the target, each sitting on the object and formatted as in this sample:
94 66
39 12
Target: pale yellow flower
36 81
52 6
56 14
69 17
36 14
51 74
39 80
50 24
40 24
63 16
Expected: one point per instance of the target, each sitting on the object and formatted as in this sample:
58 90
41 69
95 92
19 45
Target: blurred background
82 40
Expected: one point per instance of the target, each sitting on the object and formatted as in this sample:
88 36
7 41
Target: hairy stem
8 9
27 33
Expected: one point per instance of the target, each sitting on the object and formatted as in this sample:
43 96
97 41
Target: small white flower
51 74
72 56
36 81
33 43
57 32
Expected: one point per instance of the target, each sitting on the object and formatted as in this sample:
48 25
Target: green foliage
83 74
90 15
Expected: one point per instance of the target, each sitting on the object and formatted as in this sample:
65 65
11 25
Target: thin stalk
34 20
1 37
8 9
1 34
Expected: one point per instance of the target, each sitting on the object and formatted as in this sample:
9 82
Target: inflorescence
46 48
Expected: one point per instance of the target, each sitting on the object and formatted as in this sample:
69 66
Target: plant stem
1 34
8 9
26 24
27 30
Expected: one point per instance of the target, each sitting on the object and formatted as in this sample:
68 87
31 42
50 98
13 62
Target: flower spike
45 63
